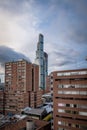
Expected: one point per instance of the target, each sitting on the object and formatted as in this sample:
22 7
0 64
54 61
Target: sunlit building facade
69 99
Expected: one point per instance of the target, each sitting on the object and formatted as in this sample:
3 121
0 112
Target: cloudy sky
62 22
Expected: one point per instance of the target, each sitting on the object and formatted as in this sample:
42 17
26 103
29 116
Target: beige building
69 99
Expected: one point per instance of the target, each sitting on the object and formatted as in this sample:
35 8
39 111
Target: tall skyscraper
2 77
45 69
69 99
42 61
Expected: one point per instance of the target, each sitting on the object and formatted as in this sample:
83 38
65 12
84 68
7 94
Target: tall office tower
46 63
21 78
69 99
42 61
45 69
2 77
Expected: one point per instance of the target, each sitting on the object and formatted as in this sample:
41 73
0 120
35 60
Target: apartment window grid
71 73
70 96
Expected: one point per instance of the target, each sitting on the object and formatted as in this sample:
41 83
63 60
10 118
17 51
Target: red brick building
69 99
2 101
48 89
22 125
35 98
21 79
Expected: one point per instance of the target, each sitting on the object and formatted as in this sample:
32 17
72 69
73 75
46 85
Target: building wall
35 99
2 101
35 77
48 88
20 125
38 98
21 77
29 76
15 102
70 99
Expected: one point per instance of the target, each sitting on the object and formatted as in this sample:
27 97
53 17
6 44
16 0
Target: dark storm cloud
64 57
70 20
65 53
7 54
77 20
62 63
79 35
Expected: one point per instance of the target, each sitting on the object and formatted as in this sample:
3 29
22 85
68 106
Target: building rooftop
36 111
13 124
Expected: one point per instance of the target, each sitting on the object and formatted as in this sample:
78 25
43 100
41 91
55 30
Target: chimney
30 125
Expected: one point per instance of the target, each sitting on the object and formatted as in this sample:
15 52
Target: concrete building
21 80
37 113
42 61
69 99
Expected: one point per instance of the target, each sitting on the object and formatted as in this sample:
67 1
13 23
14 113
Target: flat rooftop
36 111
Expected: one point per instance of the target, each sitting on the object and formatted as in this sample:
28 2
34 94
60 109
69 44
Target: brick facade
21 79
70 99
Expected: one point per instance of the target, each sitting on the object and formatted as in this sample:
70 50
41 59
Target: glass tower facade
41 61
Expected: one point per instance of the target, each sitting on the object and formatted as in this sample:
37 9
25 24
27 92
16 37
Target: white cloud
19 31
22 20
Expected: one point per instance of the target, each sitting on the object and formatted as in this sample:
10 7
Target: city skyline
62 22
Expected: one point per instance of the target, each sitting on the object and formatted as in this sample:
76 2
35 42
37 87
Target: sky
62 22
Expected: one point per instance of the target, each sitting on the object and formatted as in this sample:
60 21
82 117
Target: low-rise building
24 123
38 113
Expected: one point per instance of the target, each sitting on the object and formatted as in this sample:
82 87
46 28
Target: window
71 73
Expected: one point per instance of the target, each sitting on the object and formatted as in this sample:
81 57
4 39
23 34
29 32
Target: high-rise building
21 79
42 61
2 101
69 99
45 70
2 77
2 93
48 88
46 63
